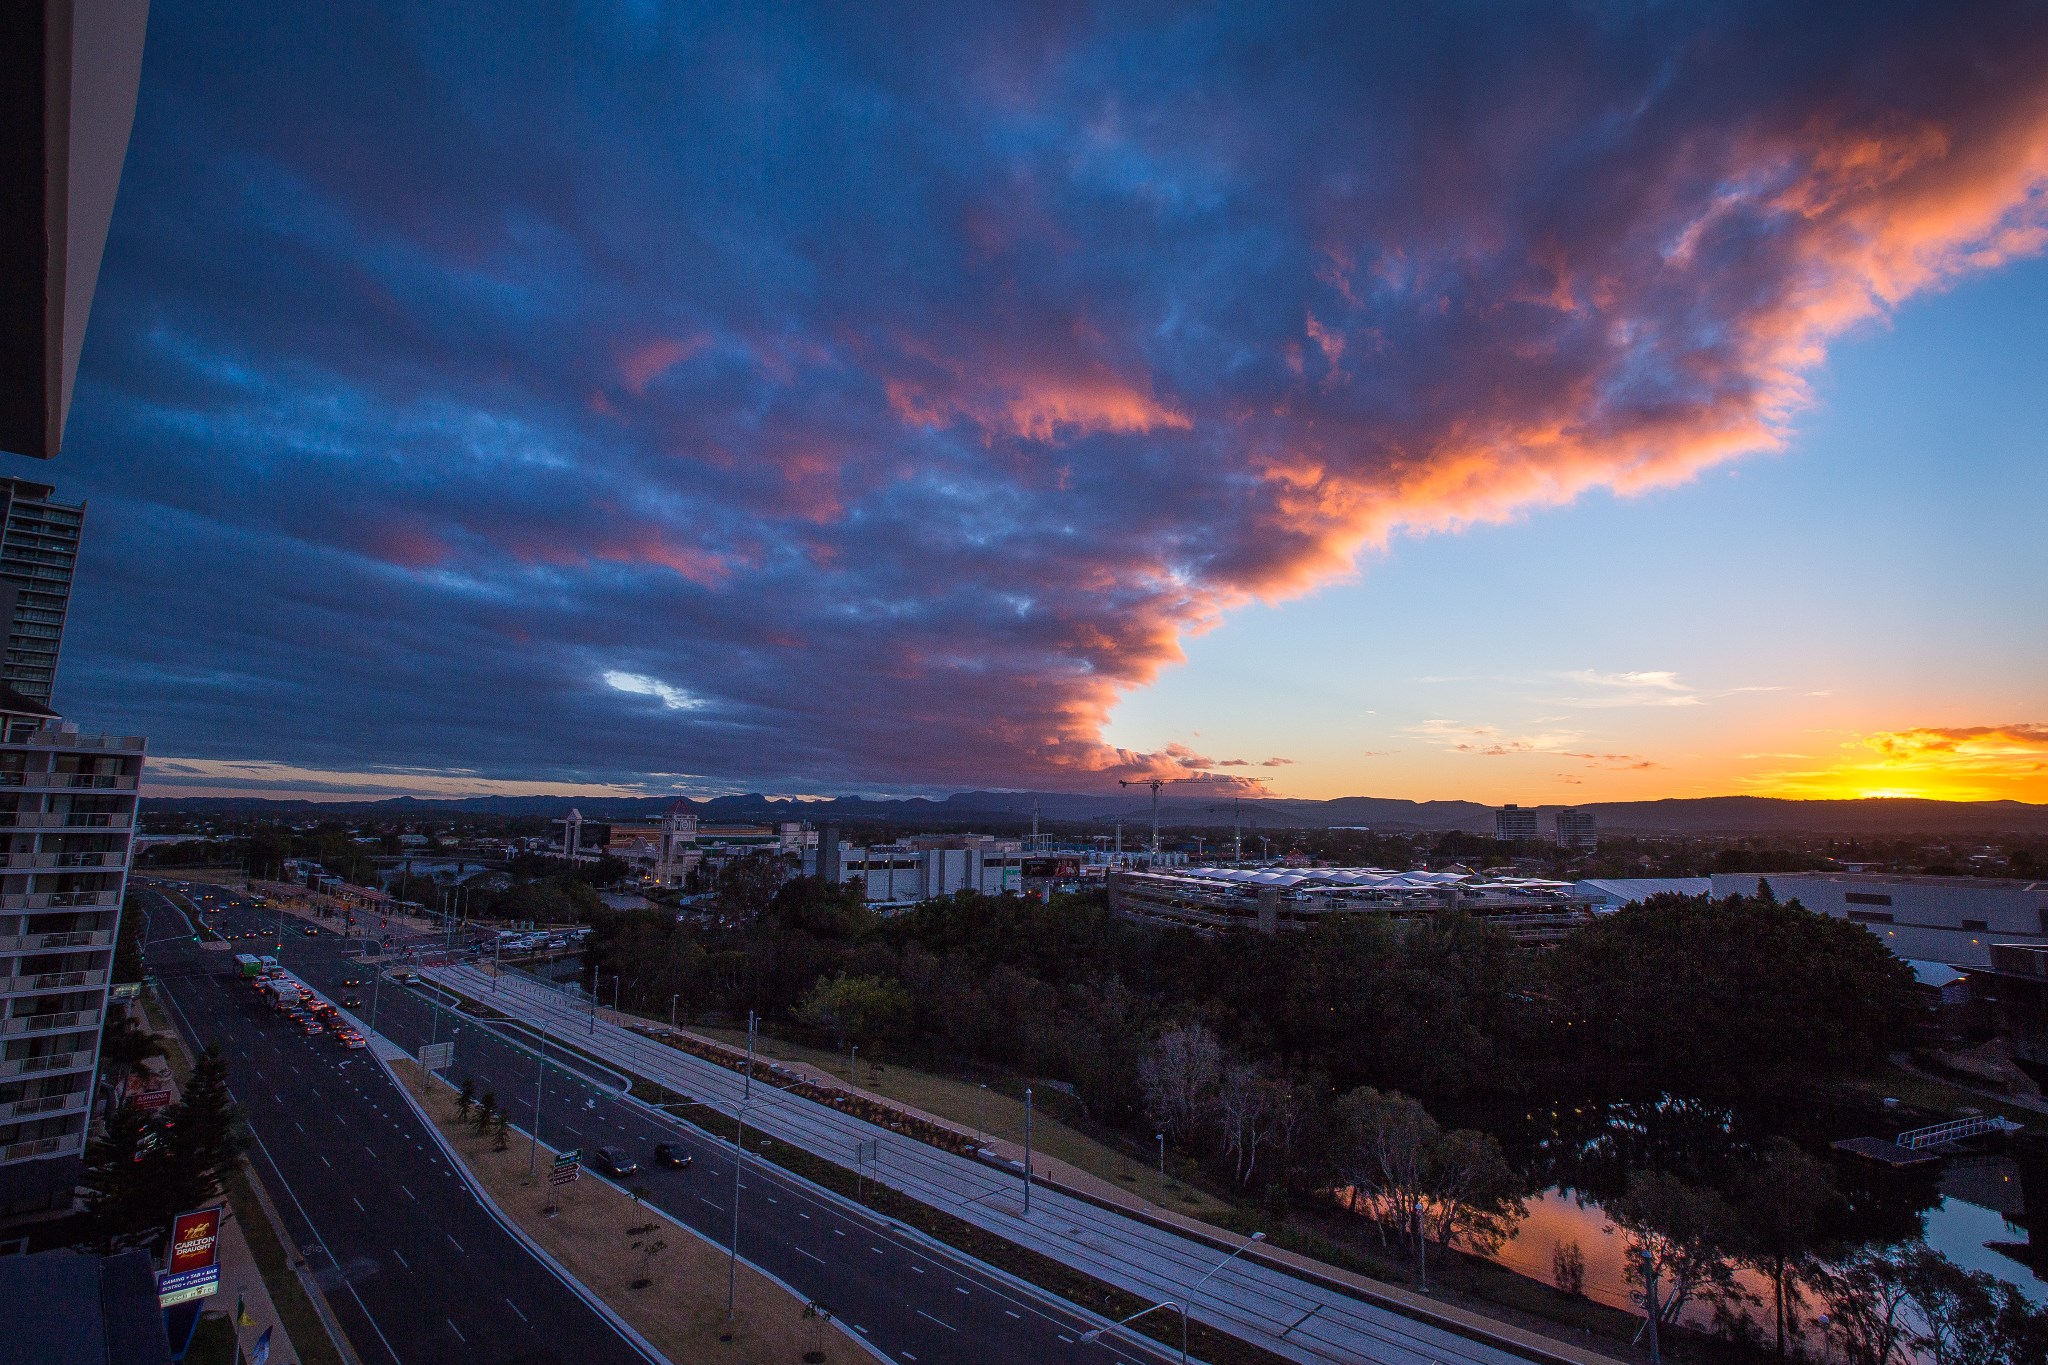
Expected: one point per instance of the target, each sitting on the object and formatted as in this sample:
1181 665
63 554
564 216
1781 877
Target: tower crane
1155 783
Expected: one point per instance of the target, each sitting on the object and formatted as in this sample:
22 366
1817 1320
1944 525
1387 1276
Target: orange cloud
1950 763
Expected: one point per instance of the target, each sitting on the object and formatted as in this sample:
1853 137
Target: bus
248 966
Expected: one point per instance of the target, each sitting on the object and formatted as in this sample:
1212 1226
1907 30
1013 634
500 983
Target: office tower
1575 829
38 553
67 818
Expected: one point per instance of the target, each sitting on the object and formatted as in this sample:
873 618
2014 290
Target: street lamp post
1180 1306
1027 1151
539 1084
980 1112
732 1264
673 1001
1162 1163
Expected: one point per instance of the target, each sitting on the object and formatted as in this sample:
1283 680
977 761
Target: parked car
613 1161
669 1155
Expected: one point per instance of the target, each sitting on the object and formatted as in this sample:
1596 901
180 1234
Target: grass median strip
1075 1286
666 1281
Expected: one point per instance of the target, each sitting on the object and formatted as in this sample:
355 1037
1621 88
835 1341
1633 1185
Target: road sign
434 1056
570 1157
564 1175
152 1099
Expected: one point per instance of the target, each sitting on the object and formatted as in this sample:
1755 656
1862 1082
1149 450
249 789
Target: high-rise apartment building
1576 829
67 818
1515 822
38 554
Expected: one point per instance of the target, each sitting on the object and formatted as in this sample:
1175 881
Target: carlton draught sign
194 1269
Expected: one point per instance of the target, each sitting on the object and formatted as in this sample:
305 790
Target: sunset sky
1507 403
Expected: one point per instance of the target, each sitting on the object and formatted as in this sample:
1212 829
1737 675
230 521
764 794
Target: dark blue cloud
900 383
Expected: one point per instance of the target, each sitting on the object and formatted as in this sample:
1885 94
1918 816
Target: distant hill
1712 815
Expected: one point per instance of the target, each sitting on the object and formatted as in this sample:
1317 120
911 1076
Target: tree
486 1114
501 1132
202 1137
1179 1077
1244 1103
1422 1181
125 1045
1688 1234
121 1206
1568 1269
1967 1317
464 1098
1735 997
1780 1203
1867 1295
857 1009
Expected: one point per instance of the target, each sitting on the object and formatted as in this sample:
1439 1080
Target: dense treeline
1430 1072
1718 1000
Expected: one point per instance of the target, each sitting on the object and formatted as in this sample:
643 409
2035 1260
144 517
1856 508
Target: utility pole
1162 1163
981 1112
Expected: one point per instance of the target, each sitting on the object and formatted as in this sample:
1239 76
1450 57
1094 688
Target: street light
1097 1333
739 1153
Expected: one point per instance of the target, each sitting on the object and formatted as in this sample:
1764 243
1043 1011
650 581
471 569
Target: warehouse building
1936 919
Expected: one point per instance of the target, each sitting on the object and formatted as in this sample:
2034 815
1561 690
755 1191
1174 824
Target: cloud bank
849 396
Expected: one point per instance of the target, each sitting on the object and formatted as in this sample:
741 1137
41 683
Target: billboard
195 1240
194 1268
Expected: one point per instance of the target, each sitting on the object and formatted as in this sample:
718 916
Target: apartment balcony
58 739
61 900
44 1105
50 819
22 861
40 943
49 1146
44 1065
48 1023
99 782
52 981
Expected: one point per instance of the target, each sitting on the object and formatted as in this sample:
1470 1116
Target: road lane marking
941 1321
358 1203
917 1270
1008 1314
515 1308
819 1259
401 1260
457 1330
452 1242
409 1194
324 1161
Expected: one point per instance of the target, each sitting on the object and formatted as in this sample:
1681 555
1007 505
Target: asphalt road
415 1269
1293 1317
906 1298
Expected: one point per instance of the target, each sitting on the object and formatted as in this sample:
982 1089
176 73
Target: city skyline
1642 407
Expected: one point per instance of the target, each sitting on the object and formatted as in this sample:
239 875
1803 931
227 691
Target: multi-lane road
1293 1317
369 1194
371 1204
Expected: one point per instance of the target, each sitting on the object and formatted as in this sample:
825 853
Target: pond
1968 1224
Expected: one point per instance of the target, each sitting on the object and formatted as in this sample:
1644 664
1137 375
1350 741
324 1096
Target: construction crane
1155 783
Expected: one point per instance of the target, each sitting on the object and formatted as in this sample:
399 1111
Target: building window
1870 917
1976 924
1868 898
